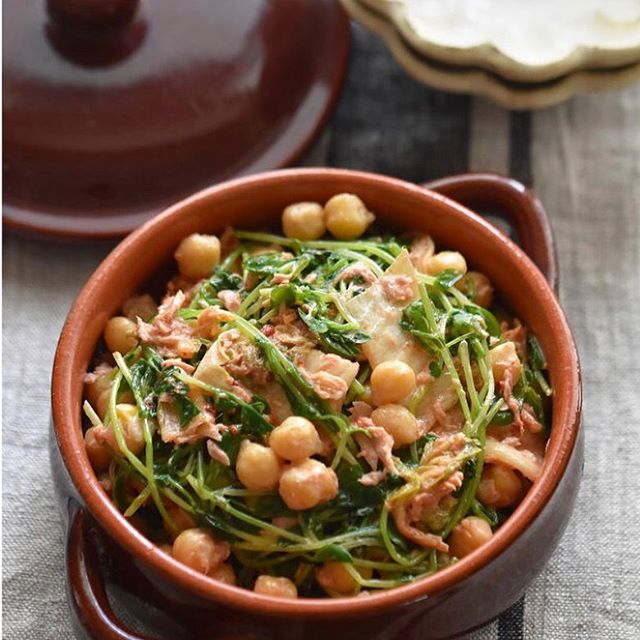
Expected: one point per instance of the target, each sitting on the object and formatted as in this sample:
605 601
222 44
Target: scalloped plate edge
479 81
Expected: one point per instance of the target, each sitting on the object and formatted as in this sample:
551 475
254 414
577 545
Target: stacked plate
522 55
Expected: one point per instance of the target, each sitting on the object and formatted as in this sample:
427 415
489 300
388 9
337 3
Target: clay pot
454 600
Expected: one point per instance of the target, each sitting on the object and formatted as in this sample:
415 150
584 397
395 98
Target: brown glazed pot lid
114 109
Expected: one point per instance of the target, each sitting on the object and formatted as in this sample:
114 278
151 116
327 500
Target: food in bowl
306 416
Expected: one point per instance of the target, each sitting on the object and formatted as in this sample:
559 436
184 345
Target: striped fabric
583 160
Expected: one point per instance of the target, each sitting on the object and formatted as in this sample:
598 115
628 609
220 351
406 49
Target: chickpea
182 520
198 549
99 390
120 334
142 306
304 221
446 260
296 439
499 487
224 573
470 534
167 548
347 217
257 467
307 485
197 255
99 454
478 287
392 381
102 404
276 587
333 577
504 358
399 422
131 426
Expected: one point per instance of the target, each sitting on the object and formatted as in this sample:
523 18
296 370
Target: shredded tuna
427 540
210 320
507 393
447 422
424 376
517 335
329 374
285 315
328 386
170 334
529 419
290 334
442 452
241 358
439 413
439 398
399 289
440 476
176 362
230 299
422 248
373 478
427 501
280 408
241 391
201 426
422 427
360 409
216 453
357 270
375 446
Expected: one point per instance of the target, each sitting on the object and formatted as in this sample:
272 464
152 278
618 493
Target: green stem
148 474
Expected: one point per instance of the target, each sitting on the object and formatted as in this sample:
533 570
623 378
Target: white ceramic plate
484 83
520 40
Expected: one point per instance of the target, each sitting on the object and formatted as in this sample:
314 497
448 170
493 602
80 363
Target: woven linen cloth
583 160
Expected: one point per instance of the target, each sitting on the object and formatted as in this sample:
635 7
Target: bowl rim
71 446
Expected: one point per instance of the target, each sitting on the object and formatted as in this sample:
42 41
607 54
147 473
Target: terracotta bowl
453 601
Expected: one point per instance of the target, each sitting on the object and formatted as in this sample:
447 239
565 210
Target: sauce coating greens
307 416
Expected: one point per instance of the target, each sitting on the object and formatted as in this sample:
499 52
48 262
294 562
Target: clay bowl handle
513 202
92 614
